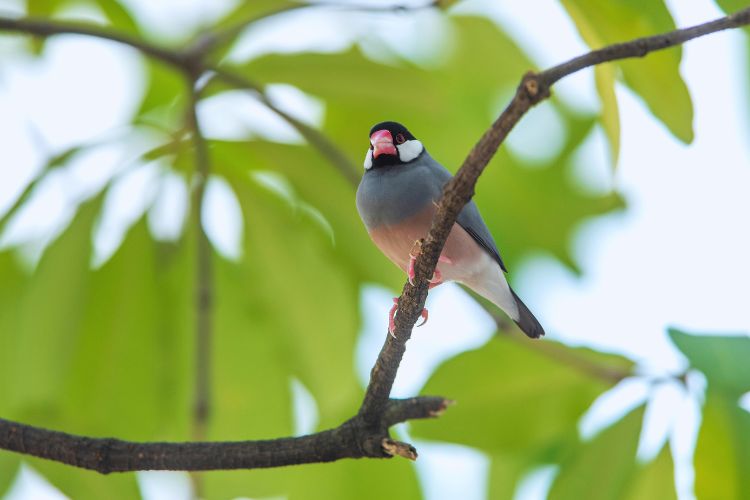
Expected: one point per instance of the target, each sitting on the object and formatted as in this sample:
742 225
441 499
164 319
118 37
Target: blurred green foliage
109 350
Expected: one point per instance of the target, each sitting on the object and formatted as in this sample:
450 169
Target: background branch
365 434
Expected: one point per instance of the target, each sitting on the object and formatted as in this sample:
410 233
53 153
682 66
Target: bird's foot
437 277
392 317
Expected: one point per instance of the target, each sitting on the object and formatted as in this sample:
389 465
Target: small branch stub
397 448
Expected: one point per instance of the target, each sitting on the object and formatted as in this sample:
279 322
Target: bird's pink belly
461 253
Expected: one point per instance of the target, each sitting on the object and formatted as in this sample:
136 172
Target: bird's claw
392 317
437 277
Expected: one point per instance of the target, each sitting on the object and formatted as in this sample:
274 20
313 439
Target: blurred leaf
446 4
13 279
58 160
551 205
722 454
275 321
118 16
723 360
102 352
9 463
505 472
656 78
164 99
291 281
514 397
655 480
48 320
732 6
361 479
318 184
605 85
603 467
606 467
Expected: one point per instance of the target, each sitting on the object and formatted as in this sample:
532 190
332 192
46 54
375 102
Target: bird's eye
400 139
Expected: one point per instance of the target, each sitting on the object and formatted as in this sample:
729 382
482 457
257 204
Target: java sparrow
396 200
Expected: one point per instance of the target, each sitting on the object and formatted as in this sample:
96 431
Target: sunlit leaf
9 463
602 467
514 397
605 86
291 282
656 78
366 479
606 467
118 16
165 97
317 183
531 210
723 360
654 480
722 455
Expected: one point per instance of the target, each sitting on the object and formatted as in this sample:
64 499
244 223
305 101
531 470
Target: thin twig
204 282
46 28
203 277
315 138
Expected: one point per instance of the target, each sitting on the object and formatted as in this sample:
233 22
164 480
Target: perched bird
396 200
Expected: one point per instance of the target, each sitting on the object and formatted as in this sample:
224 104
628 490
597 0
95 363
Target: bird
397 199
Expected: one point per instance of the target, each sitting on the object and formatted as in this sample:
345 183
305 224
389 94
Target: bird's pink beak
382 143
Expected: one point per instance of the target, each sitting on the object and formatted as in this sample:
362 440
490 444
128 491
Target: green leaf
606 467
9 464
552 206
603 467
101 352
654 481
319 185
516 397
47 322
722 455
165 97
656 78
361 479
723 360
289 282
505 472
731 6
119 16
605 85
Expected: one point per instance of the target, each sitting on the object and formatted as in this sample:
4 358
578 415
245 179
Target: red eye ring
400 139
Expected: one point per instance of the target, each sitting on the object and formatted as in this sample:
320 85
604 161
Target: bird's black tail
526 321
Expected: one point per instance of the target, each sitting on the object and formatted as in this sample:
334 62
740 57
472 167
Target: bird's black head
391 144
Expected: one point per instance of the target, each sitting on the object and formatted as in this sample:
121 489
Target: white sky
677 257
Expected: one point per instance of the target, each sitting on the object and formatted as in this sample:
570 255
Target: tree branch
45 28
365 434
349 440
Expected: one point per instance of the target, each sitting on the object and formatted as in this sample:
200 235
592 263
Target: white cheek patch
409 150
368 160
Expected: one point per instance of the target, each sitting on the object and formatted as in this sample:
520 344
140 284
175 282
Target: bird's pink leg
392 317
437 277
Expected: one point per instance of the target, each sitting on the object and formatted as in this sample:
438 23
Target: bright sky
677 257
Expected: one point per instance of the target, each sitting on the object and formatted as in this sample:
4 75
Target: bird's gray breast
388 195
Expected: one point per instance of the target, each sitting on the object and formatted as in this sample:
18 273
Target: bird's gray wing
472 222
469 218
